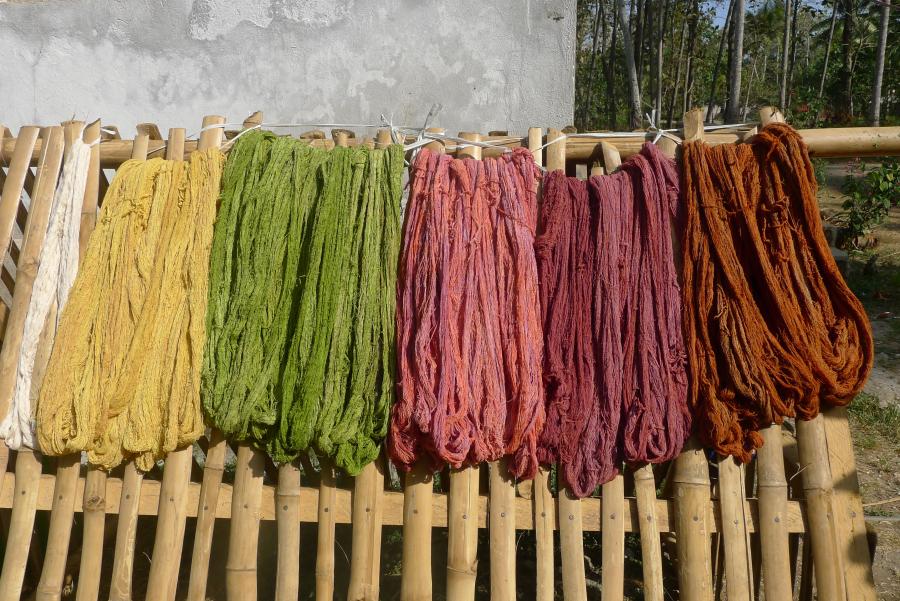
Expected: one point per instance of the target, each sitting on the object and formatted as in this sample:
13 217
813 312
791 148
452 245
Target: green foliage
819 168
871 194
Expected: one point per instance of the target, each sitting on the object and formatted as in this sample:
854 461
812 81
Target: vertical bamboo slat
651 551
462 517
243 542
415 581
164 564
368 496
613 492
542 496
287 512
68 466
772 490
738 575
326 522
28 462
129 498
213 469
819 494
502 522
570 521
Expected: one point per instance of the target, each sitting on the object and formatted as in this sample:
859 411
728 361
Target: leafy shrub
871 192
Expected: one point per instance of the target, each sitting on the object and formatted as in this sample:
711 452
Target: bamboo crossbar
836 142
731 527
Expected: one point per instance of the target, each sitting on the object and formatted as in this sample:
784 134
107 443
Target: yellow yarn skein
123 379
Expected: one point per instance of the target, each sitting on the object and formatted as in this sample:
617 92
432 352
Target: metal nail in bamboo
544 511
213 470
570 520
691 482
28 462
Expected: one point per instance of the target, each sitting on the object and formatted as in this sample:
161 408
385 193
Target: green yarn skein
300 324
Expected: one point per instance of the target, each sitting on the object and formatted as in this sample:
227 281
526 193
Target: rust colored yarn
468 325
614 364
771 328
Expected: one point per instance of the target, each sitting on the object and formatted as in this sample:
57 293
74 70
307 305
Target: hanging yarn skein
56 273
468 320
614 363
771 328
123 379
301 313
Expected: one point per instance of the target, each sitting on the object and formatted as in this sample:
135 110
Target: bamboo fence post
819 493
368 497
570 521
651 551
130 496
462 500
613 492
68 466
415 581
172 513
502 516
13 184
738 574
28 462
327 491
542 496
287 511
325 540
243 542
94 499
213 469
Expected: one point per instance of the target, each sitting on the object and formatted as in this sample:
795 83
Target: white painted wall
492 64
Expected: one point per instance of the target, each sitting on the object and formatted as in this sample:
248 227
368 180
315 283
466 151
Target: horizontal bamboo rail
836 142
393 506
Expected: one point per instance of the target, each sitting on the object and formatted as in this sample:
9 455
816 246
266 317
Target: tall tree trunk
750 88
640 19
586 111
828 48
736 61
726 30
687 99
671 107
785 53
633 86
793 61
610 76
660 51
875 107
846 107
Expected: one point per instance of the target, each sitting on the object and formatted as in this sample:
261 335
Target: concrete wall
492 64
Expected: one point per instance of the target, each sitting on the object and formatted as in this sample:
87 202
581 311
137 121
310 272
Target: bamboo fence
702 526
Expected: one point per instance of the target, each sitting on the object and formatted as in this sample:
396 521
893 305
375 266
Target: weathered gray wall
492 64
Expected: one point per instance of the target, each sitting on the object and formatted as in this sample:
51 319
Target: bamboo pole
287 499
819 493
68 466
613 492
570 515
126 528
651 551
772 490
502 521
462 500
243 543
213 469
170 525
28 462
415 581
542 497
326 523
368 496
736 538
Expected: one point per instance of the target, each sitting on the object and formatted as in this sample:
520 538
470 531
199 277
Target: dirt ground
875 414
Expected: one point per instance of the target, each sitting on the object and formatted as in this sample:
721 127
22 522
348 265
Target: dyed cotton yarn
301 309
58 265
614 362
771 328
123 379
468 320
